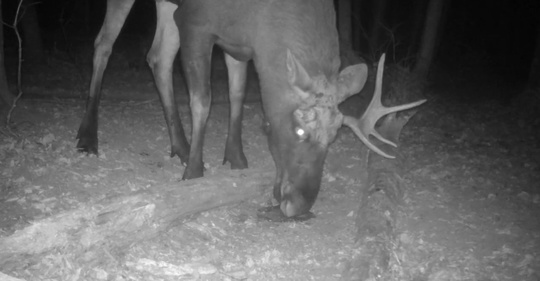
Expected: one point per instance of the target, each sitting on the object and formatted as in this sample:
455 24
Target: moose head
299 141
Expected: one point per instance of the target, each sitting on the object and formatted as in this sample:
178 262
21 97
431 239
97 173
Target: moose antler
365 126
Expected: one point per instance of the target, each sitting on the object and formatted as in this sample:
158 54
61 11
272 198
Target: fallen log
377 214
115 223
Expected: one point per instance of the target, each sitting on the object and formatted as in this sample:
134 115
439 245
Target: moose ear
351 80
298 77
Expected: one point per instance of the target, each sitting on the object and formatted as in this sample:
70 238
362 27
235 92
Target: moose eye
266 127
301 133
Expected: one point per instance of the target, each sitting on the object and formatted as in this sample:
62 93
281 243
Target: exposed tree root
115 223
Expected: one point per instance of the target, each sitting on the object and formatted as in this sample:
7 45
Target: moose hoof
87 146
193 173
274 214
236 164
183 156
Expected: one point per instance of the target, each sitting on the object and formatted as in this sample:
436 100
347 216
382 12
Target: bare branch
19 65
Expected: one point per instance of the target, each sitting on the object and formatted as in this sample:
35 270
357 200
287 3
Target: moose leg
196 57
161 58
115 17
274 151
234 152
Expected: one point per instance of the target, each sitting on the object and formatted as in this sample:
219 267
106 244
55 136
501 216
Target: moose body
290 42
294 47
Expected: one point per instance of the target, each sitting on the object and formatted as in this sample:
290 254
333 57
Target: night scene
363 140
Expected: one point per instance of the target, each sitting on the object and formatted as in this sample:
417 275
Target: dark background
496 37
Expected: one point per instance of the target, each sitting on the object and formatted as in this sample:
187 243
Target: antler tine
375 104
365 126
353 124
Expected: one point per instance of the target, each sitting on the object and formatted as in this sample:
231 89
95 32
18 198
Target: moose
295 49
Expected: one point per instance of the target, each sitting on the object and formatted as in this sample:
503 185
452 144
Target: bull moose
295 49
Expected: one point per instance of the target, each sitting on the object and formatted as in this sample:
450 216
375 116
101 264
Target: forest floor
472 186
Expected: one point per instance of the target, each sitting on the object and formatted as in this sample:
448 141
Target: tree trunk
6 97
32 41
534 72
429 38
528 101
379 8
347 55
115 223
419 12
360 38
345 23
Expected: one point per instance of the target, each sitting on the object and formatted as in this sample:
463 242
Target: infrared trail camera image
269 140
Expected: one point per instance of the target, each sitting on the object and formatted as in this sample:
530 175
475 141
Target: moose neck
312 39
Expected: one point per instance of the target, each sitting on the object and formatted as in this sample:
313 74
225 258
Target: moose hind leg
115 17
160 59
196 60
234 152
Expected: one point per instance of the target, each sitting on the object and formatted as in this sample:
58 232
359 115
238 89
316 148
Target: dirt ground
472 188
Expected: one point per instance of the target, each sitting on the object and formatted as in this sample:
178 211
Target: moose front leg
161 58
117 11
234 152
